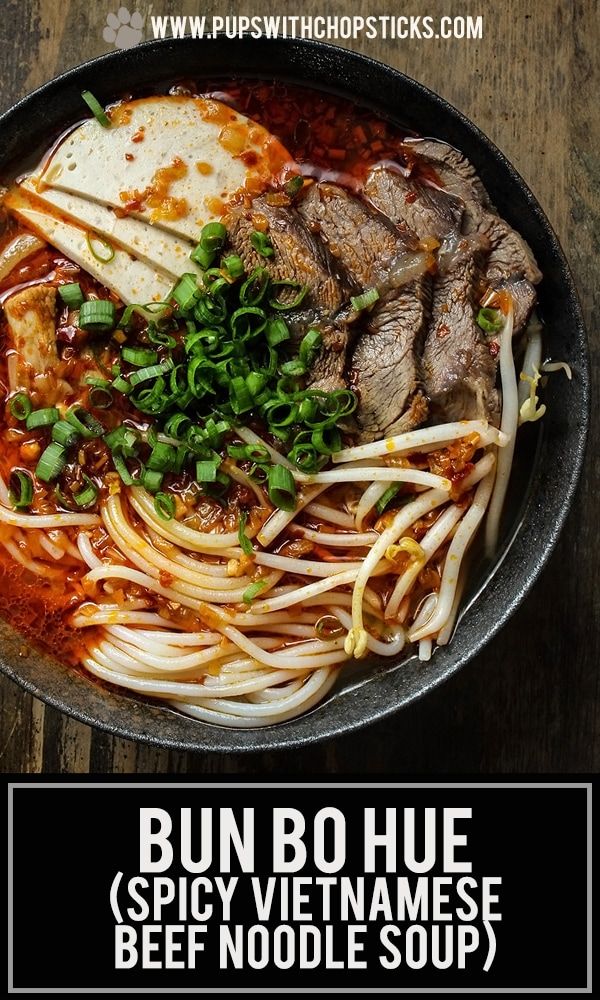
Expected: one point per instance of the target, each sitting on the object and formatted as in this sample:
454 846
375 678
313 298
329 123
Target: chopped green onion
256 382
97 314
304 456
248 452
122 439
100 397
157 309
139 356
186 291
151 399
177 425
203 257
199 376
326 440
71 294
64 433
385 498
127 314
20 491
253 590
96 108
51 463
88 495
294 186
346 402
102 383
164 505
160 337
255 286
151 480
234 266
261 243
277 332
247 322
239 396
206 470
121 467
42 418
196 439
212 277
150 310
121 384
309 346
213 236
215 431
152 371
282 488
20 406
100 249
245 542
281 413
161 457
296 286
294 368
182 453
490 320
210 309
84 423
219 487
307 410
364 301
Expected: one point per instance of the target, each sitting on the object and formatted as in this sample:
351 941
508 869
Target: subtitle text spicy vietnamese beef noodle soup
260 394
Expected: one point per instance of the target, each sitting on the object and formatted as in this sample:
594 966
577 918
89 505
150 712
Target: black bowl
550 454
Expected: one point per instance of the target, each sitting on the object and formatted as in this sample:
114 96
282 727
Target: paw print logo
123 30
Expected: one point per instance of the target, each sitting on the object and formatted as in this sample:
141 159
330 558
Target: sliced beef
511 266
459 367
456 175
387 374
426 210
363 240
301 256
385 361
510 259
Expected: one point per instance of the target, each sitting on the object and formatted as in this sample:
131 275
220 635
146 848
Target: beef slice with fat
299 255
385 360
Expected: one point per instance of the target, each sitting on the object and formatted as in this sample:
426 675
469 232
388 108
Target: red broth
332 138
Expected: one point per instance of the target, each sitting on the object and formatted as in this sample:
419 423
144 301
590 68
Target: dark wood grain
528 703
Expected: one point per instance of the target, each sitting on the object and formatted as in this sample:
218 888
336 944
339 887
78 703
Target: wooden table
528 703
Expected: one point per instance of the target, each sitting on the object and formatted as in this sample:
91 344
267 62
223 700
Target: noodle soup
260 394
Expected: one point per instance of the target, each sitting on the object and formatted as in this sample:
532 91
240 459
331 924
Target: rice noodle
205 594
281 518
37 521
53 550
246 662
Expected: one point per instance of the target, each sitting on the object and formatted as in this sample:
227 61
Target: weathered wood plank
530 701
